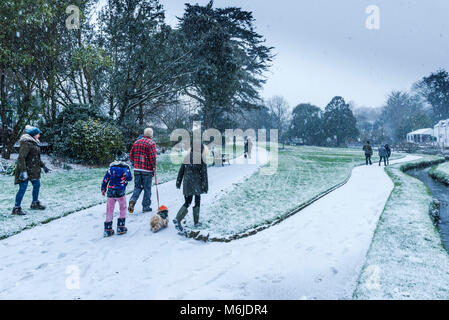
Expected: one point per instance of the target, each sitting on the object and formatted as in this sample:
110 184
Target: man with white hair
143 158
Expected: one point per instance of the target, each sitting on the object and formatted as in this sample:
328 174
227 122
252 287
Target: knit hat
163 212
121 156
32 131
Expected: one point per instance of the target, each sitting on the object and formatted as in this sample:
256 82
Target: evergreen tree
435 89
230 59
339 122
403 113
307 124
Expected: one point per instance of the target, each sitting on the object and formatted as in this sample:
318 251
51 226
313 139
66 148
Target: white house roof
442 123
428 131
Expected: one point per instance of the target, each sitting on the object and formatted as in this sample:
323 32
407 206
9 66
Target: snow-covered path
317 253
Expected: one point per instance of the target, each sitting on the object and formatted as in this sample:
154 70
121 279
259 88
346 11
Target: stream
441 192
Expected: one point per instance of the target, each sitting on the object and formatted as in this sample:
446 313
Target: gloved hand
103 192
23 176
178 186
46 170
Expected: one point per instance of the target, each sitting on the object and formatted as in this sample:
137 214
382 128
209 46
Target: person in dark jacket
29 165
382 155
388 149
194 182
248 147
114 185
368 152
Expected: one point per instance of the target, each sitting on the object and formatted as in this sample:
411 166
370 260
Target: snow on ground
407 259
444 167
317 253
63 192
52 163
440 173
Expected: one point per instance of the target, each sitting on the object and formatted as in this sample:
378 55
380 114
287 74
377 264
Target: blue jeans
142 182
23 188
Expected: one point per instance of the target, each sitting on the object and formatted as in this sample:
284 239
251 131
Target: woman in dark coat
28 168
194 183
388 149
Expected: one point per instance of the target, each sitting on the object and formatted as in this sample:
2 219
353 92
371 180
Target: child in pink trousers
114 186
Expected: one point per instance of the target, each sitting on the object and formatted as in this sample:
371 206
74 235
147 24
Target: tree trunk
141 114
6 153
111 106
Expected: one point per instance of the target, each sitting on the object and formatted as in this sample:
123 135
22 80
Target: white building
421 136
441 133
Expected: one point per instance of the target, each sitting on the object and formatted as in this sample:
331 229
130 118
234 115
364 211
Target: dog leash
157 191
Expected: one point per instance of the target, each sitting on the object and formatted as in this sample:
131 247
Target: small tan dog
160 219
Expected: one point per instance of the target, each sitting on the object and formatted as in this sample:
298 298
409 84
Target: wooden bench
224 158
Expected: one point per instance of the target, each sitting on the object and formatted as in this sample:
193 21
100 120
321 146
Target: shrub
7 168
92 141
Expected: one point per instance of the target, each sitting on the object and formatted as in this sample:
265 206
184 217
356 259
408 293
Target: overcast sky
324 48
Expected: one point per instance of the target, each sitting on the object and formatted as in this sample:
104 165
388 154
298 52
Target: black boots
17 211
196 215
121 229
37 206
181 214
108 231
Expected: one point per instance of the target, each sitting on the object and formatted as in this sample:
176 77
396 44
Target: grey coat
382 151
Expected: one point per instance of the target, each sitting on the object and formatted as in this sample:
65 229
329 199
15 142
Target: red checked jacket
143 154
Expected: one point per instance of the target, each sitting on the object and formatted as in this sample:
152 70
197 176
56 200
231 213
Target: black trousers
188 201
368 158
385 160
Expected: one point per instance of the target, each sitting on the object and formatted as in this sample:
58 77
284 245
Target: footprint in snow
41 266
334 270
61 255
26 277
310 249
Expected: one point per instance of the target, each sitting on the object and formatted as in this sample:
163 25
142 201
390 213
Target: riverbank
406 259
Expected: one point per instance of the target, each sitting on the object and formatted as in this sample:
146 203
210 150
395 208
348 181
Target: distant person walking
388 149
368 152
382 155
248 148
143 159
28 168
193 177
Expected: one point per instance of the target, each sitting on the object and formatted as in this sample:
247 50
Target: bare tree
280 115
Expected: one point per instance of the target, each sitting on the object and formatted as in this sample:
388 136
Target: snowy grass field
303 173
440 173
406 259
63 192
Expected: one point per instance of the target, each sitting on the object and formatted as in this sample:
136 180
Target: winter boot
181 214
17 211
37 206
108 231
196 215
131 206
121 229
